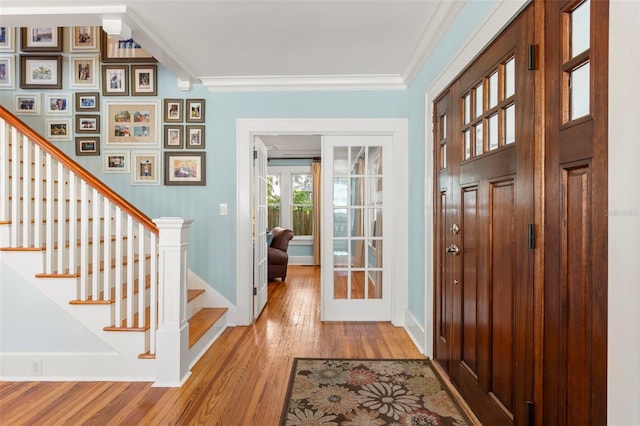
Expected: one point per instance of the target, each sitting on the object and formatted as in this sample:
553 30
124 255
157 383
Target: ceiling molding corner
304 83
439 23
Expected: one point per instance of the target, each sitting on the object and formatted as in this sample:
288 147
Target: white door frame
248 128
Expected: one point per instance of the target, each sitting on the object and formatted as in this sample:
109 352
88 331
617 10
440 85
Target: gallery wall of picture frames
99 112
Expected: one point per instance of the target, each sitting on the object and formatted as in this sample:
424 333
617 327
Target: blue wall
212 235
449 45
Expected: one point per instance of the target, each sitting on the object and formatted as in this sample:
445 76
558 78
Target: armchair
277 255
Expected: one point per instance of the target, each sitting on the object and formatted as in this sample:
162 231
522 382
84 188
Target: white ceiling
266 44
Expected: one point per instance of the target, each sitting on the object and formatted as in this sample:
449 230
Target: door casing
248 128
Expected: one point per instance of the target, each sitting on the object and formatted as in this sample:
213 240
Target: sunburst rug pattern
367 392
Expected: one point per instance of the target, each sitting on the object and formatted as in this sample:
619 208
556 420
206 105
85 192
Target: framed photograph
26 104
40 72
115 162
123 50
86 123
173 138
87 145
57 104
145 168
83 72
59 129
195 110
41 39
84 39
87 101
143 80
184 168
7 39
173 110
131 123
195 137
7 67
115 80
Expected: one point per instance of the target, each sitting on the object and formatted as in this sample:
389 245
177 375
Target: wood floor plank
241 379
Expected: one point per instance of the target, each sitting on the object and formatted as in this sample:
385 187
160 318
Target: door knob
453 249
454 229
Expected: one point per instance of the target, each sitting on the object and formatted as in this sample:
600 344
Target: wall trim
416 332
303 83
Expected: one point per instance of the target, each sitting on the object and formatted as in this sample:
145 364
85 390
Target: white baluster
62 219
4 170
130 269
49 216
141 276
73 222
15 192
153 292
106 277
118 274
26 192
95 246
37 195
84 240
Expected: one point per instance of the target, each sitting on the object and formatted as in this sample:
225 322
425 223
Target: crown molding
439 23
304 83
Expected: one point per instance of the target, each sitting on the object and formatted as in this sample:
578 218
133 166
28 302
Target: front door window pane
510 124
467 144
580 29
479 100
493 90
479 139
493 132
510 78
579 91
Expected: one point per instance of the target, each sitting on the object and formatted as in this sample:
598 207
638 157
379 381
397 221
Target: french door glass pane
467 144
357 219
467 108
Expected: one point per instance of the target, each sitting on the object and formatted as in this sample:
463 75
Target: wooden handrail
80 171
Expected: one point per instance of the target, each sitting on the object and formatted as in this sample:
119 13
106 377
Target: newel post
172 337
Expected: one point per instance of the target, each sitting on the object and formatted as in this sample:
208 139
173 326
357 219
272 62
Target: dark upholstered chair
277 254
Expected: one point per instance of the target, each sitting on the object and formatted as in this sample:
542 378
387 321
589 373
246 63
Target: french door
260 207
356 180
485 144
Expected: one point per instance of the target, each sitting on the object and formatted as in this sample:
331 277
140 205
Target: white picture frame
145 168
59 129
7 72
58 104
115 161
7 39
84 72
26 103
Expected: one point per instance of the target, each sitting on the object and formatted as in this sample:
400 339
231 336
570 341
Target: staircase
119 274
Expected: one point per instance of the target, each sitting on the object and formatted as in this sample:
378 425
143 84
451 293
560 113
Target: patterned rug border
294 365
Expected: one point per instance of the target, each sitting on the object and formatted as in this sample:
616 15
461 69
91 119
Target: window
290 199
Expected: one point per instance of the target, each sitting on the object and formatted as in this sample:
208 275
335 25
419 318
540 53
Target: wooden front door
575 279
484 127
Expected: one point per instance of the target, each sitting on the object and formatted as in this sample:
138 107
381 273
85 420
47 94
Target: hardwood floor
241 380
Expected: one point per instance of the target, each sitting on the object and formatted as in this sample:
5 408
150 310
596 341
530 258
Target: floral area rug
348 392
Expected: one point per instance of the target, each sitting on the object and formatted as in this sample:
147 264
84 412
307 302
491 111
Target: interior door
260 263
355 268
485 213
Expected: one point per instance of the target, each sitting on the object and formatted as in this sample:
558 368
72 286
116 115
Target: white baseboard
75 367
300 260
415 330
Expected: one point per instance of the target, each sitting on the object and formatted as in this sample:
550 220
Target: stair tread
202 321
193 293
